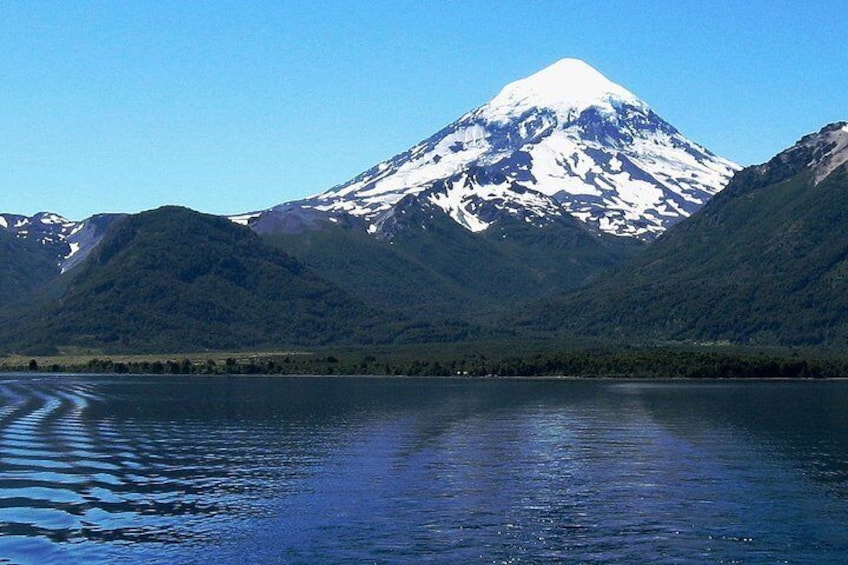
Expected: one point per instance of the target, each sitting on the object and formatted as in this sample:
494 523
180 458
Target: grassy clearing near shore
77 361
511 358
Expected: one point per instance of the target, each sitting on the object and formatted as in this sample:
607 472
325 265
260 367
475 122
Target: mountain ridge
172 278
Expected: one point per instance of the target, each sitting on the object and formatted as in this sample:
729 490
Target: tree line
609 363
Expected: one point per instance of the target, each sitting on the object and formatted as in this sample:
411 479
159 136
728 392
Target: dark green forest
763 263
432 268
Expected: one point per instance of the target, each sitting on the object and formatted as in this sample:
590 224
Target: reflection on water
311 470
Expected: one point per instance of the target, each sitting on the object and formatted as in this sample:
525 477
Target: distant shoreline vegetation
684 362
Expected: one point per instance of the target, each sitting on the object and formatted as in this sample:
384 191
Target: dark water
355 470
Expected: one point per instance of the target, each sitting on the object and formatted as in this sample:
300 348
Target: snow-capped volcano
565 140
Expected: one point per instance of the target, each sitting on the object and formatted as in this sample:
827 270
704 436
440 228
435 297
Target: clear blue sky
230 107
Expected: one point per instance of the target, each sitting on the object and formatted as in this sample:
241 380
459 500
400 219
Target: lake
311 470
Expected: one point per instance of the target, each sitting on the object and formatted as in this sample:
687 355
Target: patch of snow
3 223
75 247
244 219
454 203
53 219
455 151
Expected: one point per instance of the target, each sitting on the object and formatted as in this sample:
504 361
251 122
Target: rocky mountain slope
68 242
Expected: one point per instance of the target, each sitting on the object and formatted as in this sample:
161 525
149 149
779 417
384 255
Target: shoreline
463 378
525 360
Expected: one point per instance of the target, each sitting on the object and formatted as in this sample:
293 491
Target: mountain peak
565 141
821 152
830 147
568 86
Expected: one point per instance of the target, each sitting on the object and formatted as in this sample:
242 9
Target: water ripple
66 474
303 471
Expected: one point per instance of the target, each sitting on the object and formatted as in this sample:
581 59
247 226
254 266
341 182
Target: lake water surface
372 470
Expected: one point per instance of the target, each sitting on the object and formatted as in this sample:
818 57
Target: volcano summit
564 141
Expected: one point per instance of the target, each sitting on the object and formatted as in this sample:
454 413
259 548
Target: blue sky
229 107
